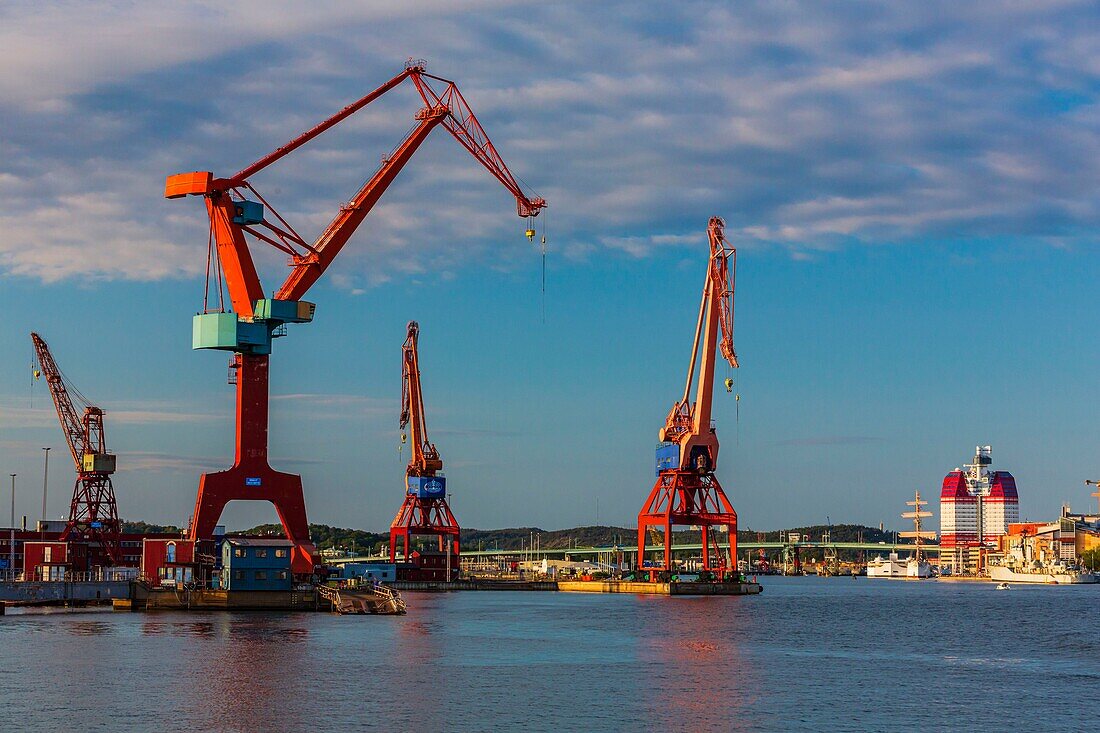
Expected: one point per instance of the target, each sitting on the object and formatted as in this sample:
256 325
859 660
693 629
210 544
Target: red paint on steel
690 494
251 478
420 516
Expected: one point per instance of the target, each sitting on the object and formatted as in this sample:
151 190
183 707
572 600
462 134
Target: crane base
419 516
284 490
686 498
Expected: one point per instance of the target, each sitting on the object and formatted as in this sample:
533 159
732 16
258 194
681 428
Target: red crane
236 209
93 514
687 492
425 510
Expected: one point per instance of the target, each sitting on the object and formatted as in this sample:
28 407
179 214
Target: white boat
917 569
1004 586
1055 573
892 567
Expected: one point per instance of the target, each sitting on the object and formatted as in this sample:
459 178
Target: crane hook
729 384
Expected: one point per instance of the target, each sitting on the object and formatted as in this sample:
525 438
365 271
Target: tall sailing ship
916 567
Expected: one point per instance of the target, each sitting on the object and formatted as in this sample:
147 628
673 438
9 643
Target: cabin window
261 552
170 552
281 575
240 552
261 575
47 554
280 553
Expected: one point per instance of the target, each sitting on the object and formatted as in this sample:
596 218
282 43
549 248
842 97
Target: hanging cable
209 257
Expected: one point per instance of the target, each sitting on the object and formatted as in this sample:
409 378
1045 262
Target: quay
662 589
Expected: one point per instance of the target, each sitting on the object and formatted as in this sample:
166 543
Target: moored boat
1057 573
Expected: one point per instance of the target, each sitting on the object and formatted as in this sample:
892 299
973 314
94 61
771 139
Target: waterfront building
977 505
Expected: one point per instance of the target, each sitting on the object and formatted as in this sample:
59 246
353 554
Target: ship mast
917 515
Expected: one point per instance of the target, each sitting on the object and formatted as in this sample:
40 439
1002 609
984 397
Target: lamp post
45 486
11 547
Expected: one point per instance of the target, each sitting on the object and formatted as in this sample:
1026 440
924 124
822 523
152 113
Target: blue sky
911 191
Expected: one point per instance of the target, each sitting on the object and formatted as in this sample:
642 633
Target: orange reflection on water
696 668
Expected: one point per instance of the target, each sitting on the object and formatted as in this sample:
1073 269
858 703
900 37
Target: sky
911 189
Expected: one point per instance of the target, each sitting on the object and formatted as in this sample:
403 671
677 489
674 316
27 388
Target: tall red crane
687 492
93 514
236 209
425 510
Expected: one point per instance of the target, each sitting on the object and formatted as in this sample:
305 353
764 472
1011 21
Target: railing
386 600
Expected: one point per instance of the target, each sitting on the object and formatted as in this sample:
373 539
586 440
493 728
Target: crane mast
689 423
686 491
93 512
238 214
425 510
425 460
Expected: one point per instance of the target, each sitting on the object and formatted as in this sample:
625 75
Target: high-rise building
976 506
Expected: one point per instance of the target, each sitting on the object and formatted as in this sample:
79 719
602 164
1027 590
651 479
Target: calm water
808 654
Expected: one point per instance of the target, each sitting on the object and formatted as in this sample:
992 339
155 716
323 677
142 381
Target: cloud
808 126
126 413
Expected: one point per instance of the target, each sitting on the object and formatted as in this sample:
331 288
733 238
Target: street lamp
11 546
45 485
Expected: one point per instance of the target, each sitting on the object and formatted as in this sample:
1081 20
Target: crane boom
62 401
691 420
228 226
424 459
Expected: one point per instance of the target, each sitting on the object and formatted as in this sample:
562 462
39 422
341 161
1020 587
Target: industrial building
977 505
250 563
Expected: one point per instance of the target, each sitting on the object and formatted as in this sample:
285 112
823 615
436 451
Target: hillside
515 538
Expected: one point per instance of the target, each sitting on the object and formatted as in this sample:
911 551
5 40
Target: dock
660 589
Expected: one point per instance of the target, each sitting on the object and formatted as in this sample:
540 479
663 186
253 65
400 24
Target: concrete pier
660 589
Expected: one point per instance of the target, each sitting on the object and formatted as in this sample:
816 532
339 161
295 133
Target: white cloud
812 125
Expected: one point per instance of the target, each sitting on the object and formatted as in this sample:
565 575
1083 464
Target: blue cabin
368 571
252 563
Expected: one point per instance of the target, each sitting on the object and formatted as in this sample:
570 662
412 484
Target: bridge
562 552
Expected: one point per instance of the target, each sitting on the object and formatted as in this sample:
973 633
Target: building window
240 552
261 575
280 553
238 575
281 575
261 552
47 554
170 552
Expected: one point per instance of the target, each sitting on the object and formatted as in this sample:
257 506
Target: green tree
1090 559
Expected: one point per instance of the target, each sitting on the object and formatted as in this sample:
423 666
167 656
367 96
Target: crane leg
283 490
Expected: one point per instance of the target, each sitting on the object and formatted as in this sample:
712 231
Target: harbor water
808 654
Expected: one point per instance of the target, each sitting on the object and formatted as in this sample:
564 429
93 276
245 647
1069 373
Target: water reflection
698 672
